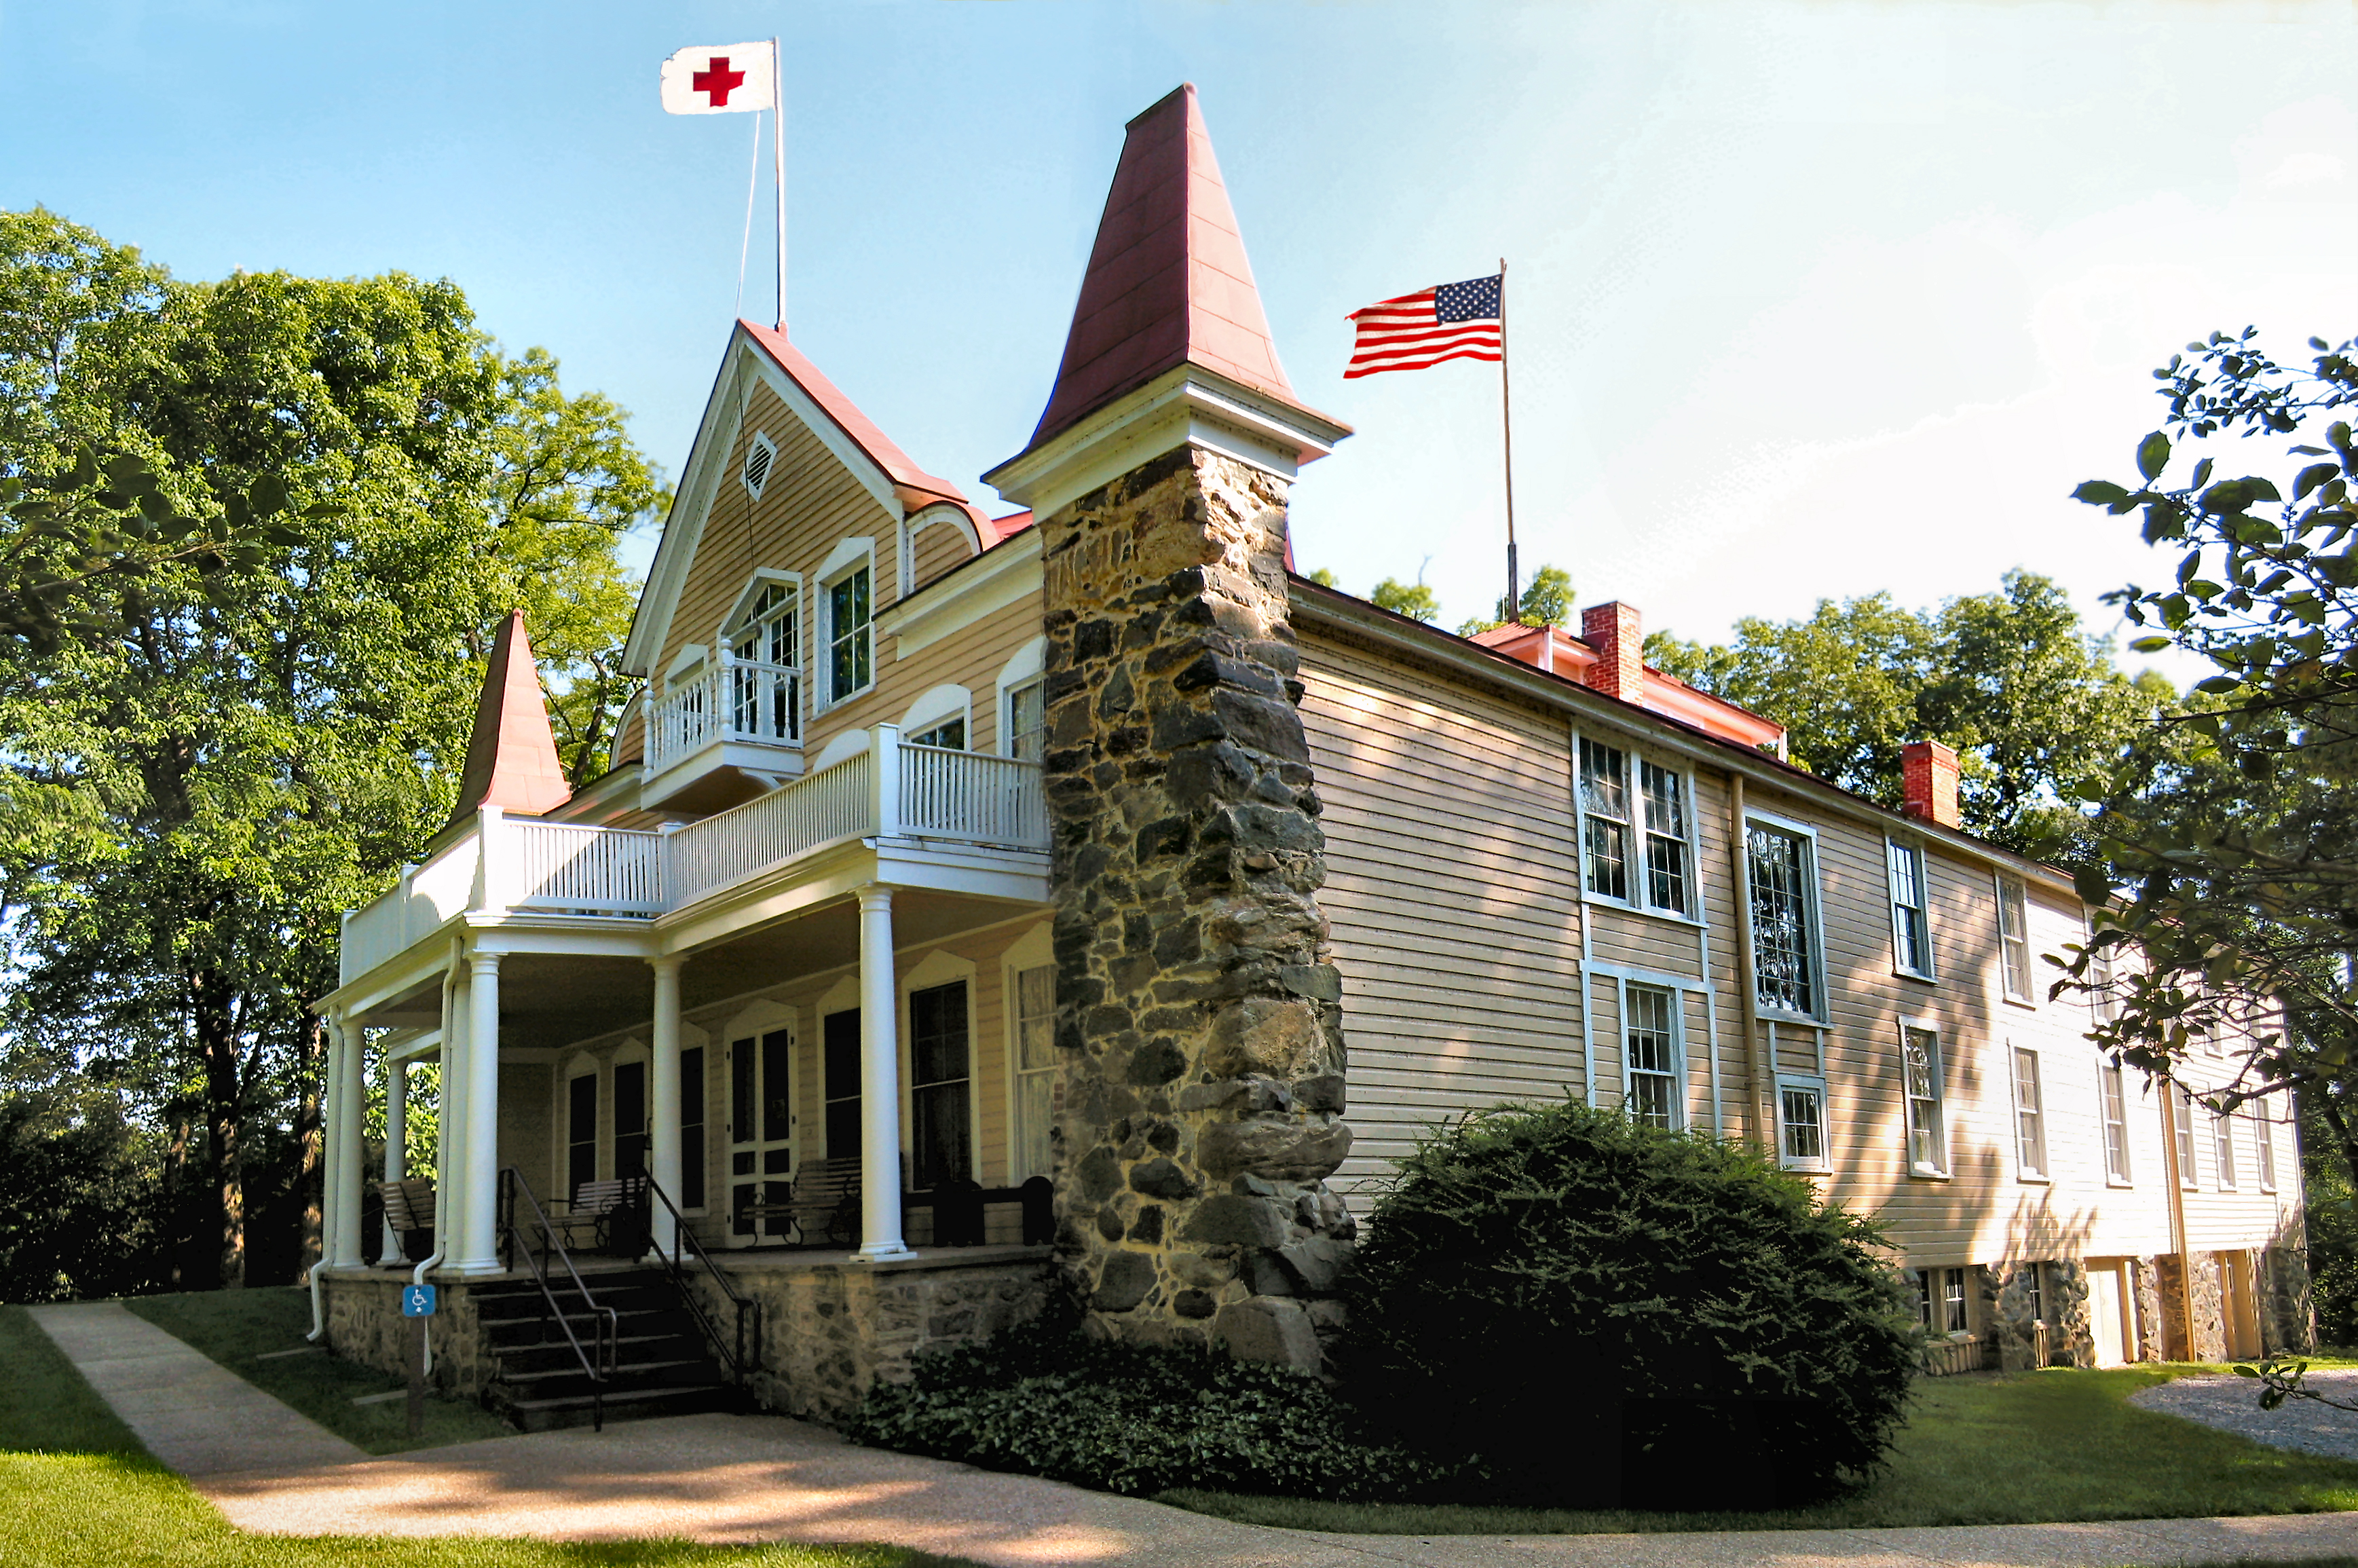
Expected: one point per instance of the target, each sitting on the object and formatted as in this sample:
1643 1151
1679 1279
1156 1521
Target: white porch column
344 1058
332 1122
479 1249
396 1151
664 1150
450 1139
880 1082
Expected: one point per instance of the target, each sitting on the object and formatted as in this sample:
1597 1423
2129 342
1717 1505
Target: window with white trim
2029 1116
2014 939
851 634
766 664
2101 1000
1921 1069
949 735
1954 1313
1634 841
761 456
1782 872
1911 921
2114 1095
1650 1055
2179 1107
1801 1123
1027 721
2222 1149
2264 1147
1035 1068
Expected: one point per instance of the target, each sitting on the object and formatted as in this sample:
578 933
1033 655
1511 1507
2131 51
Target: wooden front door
761 1132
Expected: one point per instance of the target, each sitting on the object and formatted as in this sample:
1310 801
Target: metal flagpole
1514 607
753 185
778 168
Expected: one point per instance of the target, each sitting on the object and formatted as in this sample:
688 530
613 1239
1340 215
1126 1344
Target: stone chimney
1620 668
1928 772
1198 1018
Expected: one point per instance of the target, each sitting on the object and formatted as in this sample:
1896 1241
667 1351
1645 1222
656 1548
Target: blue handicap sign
417 1301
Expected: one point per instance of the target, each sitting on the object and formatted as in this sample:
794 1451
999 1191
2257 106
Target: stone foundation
364 1324
2288 1315
2009 1320
2209 1327
1198 1014
831 1328
2153 1337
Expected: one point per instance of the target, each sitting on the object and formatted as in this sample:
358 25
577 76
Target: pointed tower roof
1168 283
1168 337
512 753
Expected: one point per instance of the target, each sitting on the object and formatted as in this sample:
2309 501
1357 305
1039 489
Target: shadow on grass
77 1490
241 1329
2032 1448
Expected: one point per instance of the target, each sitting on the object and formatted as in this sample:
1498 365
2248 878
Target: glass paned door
842 1087
761 1132
580 1132
630 1117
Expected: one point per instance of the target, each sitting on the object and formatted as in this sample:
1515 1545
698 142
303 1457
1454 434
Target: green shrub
1591 1307
1046 1400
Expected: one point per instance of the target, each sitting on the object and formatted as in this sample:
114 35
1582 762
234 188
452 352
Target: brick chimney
1928 772
1620 668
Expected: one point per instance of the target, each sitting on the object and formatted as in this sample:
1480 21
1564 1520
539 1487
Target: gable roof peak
512 752
1168 283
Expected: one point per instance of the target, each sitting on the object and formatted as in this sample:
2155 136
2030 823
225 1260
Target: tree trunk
176 1191
216 1027
309 1138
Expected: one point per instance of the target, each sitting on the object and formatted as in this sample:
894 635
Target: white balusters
973 797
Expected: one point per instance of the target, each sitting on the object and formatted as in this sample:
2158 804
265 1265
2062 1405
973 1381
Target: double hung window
2223 1150
2264 1144
850 634
1928 1136
940 1074
1953 1319
1035 1068
1651 1055
2180 1111
2115 1098
1912 922
1633 835
1027 721
1801 1123
2029 1116
2014 939
1784 893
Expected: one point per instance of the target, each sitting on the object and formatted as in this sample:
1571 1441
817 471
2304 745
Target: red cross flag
725 79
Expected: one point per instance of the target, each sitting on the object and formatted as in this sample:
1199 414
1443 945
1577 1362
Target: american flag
1448 322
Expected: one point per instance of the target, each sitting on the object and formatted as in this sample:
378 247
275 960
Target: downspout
1739 880
441 1160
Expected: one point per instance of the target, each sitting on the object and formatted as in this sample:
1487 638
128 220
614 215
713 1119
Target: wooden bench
409 1211
612 1215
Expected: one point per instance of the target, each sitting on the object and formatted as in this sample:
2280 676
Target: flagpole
1514 607
778 167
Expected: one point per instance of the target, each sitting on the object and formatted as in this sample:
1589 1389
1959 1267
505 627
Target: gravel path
2232 1404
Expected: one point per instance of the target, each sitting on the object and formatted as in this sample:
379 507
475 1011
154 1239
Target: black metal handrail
683 1239
606 1323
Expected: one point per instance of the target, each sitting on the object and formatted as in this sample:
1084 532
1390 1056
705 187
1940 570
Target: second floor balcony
736 718
891 792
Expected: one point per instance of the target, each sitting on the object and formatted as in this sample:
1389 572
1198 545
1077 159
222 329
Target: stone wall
2209 1327
830 1329
365 1324
2288 1315
2153 1332
2009 1318
1198 1016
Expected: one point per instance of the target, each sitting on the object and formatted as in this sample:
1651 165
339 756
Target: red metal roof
1167 283
512 752
914 485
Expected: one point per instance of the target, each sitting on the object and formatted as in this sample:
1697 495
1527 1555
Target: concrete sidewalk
759 1478
193 1413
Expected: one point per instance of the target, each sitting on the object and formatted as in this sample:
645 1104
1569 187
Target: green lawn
78 1491
240 1329
2037 1447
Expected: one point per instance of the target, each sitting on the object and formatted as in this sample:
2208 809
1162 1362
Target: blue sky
1808 299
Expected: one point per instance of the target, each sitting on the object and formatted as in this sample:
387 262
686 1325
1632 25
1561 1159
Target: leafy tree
2230 829
1414 599
210 762
2029 700
1322 577
1547 601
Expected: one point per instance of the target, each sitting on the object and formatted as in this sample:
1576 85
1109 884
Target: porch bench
612 1214
409 1212
822 1205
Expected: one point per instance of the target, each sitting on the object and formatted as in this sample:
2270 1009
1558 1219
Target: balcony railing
891 790
734 700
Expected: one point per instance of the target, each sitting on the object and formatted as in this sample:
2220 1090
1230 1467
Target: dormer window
761 455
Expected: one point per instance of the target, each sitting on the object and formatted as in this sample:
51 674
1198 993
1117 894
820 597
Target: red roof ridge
914 485
1168 283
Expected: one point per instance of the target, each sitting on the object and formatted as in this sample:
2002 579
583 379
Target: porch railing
744 1353
597 1358
736 699
891 790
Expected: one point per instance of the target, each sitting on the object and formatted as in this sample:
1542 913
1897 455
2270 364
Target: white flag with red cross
725 79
